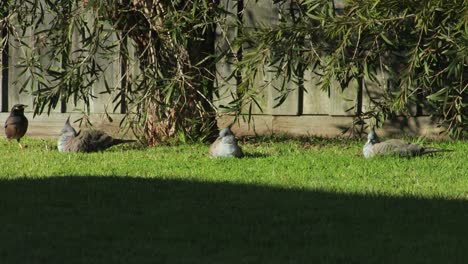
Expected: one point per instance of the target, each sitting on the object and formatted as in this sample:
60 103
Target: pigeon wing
396 147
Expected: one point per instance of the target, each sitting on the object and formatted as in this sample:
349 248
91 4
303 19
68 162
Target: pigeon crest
225 145
394 147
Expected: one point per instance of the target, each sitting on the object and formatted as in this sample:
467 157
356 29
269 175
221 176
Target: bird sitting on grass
225 145
16 124
394 147
86 141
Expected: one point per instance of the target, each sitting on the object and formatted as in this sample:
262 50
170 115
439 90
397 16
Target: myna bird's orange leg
9 146
20 146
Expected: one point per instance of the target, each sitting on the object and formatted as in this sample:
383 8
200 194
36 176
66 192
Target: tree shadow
136 220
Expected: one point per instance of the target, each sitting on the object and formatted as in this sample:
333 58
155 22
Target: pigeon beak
24 106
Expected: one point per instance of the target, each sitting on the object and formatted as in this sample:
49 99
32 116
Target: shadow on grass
136 220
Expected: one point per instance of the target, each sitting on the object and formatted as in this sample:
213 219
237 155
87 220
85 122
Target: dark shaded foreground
136 220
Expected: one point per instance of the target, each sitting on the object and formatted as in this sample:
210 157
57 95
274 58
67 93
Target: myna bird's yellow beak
20 107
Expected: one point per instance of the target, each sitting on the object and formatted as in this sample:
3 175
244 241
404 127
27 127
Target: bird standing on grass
16 124
394 147
87 141
225 145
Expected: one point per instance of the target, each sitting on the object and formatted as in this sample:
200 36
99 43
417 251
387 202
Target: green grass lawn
309 201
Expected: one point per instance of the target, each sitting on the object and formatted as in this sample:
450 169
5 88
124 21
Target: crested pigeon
87 141
225 145
394 147
16 124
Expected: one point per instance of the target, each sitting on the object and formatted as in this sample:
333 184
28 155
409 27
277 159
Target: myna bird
86 141
225 145
16 124
395 147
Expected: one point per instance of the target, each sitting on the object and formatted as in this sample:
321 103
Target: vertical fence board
111 75
73 106
291 105
264 95
3 70
225 68
41 45
316 101
373 91
133 71
258 15
17 53
342 102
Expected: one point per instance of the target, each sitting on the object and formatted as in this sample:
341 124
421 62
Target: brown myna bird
86 141
16 124
225 145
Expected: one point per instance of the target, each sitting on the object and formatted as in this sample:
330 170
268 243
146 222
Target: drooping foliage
403 55
407 57
421 49
165 51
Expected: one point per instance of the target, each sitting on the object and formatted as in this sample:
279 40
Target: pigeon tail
428 150
117 141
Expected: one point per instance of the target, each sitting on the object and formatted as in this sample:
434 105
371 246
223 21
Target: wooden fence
49 125
307 110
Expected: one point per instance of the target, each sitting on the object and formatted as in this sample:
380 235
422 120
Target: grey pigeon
66 135
394 147
88 141
16 124
225 145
